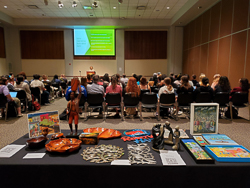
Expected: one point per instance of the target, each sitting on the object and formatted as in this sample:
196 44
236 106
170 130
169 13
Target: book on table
219 139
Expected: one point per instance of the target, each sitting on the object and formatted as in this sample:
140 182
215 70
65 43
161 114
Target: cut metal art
139 154
102 153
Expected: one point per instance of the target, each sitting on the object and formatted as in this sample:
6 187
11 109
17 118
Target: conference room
165 42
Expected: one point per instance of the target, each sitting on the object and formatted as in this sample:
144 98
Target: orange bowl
62 145
103 132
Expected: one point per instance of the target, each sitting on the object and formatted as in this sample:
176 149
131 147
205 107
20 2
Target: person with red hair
134 89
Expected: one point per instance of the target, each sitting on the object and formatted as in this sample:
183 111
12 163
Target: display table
70 170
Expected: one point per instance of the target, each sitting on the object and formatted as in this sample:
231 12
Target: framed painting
197 153
233 153
204 118
36 121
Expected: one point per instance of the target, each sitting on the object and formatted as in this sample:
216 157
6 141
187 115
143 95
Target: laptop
13 94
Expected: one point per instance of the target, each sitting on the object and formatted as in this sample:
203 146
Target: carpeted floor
14 128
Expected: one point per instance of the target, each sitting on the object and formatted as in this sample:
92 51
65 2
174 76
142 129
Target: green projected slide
96 42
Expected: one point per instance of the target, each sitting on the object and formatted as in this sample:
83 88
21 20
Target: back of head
171 74
205 81
55 76
132 86
184 80
36 76
202 76
19 79
89 77
194 76
216 77
244 84
95 78
3 80
124 75
167 82
187 76
84 81
139 77
23 74
143 81
44 77
224 83
114 82
118 77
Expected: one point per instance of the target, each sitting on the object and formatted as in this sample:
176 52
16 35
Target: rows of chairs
150 101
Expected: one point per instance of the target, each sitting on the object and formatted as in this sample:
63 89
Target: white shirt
37 83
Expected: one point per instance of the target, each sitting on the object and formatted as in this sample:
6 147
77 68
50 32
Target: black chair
144 91
222 98
94 101
55 85
37 94
154 89
63 85
184 100
21 94
130 100
149 101
4 104
113 100
239 100
167 101
203 97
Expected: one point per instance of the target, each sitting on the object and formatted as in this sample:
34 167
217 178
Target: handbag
35 104
74 84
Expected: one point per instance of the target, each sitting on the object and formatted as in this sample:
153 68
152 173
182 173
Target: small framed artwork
197 153
204 118
229 153
37 121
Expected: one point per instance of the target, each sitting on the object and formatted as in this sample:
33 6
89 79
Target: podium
90 72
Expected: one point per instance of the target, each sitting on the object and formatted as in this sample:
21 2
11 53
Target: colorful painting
229 153
37 121
200 140
204 118
219 139
199 155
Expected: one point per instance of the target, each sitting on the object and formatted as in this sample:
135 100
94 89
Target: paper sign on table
120 162
9 150
34 156
171 158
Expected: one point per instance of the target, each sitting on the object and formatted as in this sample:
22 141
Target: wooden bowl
38 142
63 145
56 136
103 132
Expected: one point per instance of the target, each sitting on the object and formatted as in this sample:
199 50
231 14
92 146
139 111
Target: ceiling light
60 4
95 4
114 7
5 6
46 2
87 7
120 1
199 7
168 7
74 4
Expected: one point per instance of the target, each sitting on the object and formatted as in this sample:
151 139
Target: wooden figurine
158 133
177 138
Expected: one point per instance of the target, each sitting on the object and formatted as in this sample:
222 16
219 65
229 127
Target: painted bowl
63 145
38 142
103 132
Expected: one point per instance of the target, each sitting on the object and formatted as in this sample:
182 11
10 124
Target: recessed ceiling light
87 7
114 7
60 4
74 4
199 7
168 7
5 6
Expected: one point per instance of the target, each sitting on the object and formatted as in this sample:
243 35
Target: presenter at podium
91 71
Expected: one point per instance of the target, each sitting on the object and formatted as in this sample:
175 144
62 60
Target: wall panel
224 54
203 61
212 60
145 44
196 62
226 17
2 44
205 26
240 18
237 61
215 21
197 37
185 37
191 34
42 44
247 71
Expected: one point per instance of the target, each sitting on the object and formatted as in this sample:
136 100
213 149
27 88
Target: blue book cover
218 139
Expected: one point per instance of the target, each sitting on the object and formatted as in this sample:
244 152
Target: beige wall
100 66
43 66
145 67
3 67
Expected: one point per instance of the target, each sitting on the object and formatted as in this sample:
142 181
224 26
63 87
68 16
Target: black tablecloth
67 170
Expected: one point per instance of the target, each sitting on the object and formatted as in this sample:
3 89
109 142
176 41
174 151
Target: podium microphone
80 72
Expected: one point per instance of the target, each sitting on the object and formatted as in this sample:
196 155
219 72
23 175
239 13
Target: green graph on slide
101 42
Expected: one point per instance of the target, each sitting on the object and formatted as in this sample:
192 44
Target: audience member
124 79
83 89
25 77
20 84
204 87
89 79
195 82
9 84
223 85
37 83
202 75
168 88
185 87
215 81
114 88
178 80
12 79
132 88
45 78
172 83
144 84
189 81
94 88
56 80
243 87
138 79
63 78
4 90
106 78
